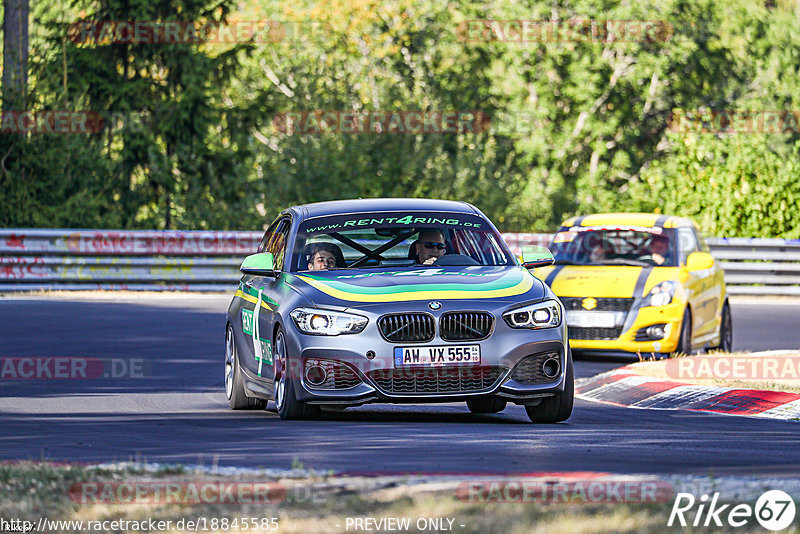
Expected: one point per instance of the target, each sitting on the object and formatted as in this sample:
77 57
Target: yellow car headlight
661 294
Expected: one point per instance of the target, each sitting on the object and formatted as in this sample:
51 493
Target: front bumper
502 351
637 319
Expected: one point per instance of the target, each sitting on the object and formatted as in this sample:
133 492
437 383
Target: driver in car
430 246
659 249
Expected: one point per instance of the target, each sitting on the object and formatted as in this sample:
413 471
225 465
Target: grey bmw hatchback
394 301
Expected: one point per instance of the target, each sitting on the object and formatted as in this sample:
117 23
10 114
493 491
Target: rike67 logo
774 510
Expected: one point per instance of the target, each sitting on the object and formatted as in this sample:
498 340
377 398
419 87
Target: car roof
339 207
646 220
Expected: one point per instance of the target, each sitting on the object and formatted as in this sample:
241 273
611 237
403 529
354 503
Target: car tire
559 407
234 382
685 337
285 399
486 405
725 330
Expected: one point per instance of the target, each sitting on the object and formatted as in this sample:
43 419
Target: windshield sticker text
407 220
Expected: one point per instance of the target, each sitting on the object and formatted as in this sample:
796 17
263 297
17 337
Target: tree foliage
578 126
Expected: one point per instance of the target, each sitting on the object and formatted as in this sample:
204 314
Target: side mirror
535 256
699 261
259 264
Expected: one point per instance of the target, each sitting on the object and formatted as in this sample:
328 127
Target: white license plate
437 356
594 319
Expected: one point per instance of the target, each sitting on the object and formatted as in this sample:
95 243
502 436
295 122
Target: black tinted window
615 245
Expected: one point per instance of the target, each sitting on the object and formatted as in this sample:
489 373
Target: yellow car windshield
615 245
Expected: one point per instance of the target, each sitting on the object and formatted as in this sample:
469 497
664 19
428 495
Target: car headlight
327 322
660 295
546 314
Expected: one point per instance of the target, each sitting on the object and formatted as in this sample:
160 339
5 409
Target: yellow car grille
598 304
576 332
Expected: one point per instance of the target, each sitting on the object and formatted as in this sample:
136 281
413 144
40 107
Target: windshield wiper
568 262
624 261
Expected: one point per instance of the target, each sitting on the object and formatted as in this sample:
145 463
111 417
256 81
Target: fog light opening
655 331
315 374
551 367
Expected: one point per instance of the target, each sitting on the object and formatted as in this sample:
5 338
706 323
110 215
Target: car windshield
617 245
368 240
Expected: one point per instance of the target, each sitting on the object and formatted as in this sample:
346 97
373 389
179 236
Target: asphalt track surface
177 413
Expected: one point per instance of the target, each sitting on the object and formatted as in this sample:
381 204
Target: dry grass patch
700 370
318 504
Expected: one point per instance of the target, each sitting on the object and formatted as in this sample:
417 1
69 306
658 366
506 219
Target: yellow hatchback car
638 283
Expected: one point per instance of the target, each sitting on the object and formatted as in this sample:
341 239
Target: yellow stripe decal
249 298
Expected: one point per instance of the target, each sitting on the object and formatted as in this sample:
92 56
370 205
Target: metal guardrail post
35 259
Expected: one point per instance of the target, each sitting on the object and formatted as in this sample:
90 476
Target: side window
276 243
701 241
262 247
687 243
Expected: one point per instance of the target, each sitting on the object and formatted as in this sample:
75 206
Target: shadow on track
140 348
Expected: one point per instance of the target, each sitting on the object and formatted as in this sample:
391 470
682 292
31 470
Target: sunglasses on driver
434 245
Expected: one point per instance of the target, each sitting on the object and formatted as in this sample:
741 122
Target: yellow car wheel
685 338
725 330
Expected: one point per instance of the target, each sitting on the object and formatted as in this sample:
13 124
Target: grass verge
767 371
318 504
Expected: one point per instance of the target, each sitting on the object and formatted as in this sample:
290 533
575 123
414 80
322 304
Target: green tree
578 125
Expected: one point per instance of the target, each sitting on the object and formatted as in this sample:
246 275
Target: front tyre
234 383
725 330
685 337
285 399
559 407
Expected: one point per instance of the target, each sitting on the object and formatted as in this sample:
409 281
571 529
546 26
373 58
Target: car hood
381 286
613 281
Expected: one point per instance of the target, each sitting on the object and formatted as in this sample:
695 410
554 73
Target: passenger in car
323 256
597 254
